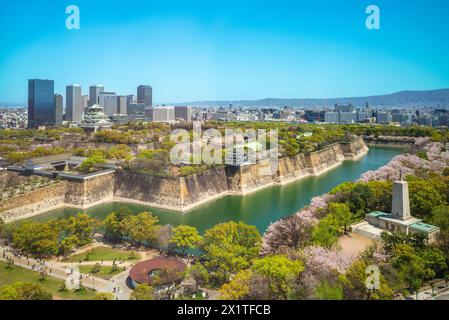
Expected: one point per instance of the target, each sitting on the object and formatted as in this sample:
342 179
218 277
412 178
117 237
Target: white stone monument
401 203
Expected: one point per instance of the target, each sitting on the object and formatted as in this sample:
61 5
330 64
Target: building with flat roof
160 114
94 94
184 113
74 103
400 218
108 101
59 106
145 95
41 103
122 105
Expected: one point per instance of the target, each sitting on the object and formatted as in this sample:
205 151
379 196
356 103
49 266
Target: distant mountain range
12 105
403 99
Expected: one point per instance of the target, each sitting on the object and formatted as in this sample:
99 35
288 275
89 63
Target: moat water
259 208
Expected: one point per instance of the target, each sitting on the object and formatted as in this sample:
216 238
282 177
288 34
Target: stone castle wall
147 188
182 193
294 168
242 180
33 202
167 192
326 159
74 193
83 193
355 149
202 187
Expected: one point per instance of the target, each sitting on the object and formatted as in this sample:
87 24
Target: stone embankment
390 141
181 193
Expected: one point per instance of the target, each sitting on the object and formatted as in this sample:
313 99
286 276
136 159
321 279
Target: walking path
64 271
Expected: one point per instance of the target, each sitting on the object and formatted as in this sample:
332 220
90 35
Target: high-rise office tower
108 100
41 103
130 99
85 101
122 105
160 114
145 95
59 103
184 113
74 103
94 94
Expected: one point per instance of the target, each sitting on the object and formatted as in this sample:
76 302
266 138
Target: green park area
104 272
104 254
13 274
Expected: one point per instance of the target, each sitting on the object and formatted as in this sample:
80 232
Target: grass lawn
105 254
198 296
18 274
105 272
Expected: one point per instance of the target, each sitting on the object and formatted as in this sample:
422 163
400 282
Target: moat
259 208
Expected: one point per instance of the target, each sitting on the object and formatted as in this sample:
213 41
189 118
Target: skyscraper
59 102
122 105
41 103
108 100
184 113
85 101
74 103
145 95
94 94
160 114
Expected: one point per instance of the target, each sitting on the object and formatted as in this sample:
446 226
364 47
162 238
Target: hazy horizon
226 50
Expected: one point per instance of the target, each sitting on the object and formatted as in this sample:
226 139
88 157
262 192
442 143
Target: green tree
391 240
112 224
411 267
440 218
8 292
423 198
29 291
422 155
91 164
325 232
230 247
328 291
280 272
238 288
355 288
104 296
83 227
142 292
121 152
39 239
185 237
2 226
112 227
198 274
342 214
141 228
435 260
68 244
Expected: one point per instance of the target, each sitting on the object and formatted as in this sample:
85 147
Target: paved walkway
67 271
353 244
426 293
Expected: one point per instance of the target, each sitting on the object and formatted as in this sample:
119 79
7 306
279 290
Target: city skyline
226 50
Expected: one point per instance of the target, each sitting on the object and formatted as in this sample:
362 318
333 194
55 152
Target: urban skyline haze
226 50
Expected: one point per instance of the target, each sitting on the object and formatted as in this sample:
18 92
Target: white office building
108 101
74 103
160 114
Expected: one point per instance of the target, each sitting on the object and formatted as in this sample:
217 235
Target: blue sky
235 49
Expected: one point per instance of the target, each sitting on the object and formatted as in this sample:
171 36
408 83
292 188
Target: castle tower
401 203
